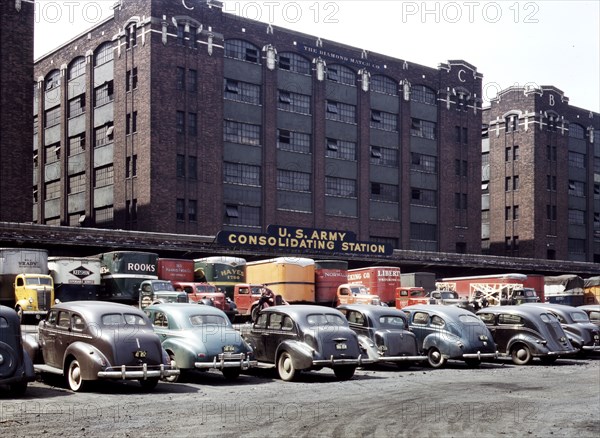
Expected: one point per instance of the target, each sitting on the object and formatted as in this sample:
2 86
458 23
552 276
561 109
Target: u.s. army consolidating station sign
292 239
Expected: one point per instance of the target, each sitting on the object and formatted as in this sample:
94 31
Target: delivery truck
75 278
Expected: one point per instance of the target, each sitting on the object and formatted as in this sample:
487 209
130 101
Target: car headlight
483 338
30 300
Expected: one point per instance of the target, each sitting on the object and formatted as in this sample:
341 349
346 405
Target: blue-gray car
450 332
201 338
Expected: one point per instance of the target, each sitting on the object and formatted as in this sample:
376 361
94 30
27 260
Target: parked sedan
16 368
524 332
305 337
450 332
583 335
200 337
383 333
91 340
593 312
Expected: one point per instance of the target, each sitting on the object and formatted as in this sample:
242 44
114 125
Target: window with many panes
131 79
294 63
384 120
180 209
576 160
242 50
576 246
77 106
422 94
384 156
103 94
52 80
293 181
383 84
341 112
241 91
52 117
192 210
342 149
103 55
295 102
242 133
576 217
76 183
242 215
576 131
293 141
340 187
239 173
76 145
341 74
576 188
423 163
77 68
104 215
103 135
104 176
423 197
52 153
52 190
384 192
420 231
423 128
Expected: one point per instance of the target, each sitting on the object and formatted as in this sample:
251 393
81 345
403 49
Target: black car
593 312
383 333
305 337
584 335
526 331
16 367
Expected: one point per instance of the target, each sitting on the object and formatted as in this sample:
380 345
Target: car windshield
201 320
391 322
112 319
469 319
320 319
580 317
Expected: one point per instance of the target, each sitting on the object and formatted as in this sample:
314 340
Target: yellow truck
24 281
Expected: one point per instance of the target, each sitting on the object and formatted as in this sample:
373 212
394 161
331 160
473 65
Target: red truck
329 274
380 280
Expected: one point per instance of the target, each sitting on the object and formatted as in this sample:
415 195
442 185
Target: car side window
261 322
287 324
356 318
487 318
437 321
507 319
77 322
243 291
52 317
275 321
63 320
421 318
160 320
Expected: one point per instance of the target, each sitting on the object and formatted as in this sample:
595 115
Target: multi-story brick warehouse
16 69
541 177
181 119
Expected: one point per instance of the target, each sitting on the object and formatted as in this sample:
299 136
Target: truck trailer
75 278
380 280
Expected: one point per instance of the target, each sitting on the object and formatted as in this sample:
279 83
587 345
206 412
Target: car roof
182 310
589 307
522 309
372 310
299 310
553 306
439 309
92 308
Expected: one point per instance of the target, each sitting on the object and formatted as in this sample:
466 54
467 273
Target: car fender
533 343
28 365
368 345
301 354
91 360
446 343
186 354
32 347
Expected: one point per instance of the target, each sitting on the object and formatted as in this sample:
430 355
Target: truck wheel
74 379
435 358
285 367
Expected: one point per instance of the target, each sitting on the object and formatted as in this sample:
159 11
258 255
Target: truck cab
350 293
159 291
197 292
245 296
34 294
407 296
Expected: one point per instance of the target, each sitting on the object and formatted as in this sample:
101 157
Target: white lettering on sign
551 99
141 267
460 73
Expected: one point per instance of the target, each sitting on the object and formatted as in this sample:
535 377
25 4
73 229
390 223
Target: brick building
16 100
190 120
541 177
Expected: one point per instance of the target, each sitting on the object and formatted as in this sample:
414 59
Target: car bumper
227 361
400 358
342 361
480 355
591 348
142 372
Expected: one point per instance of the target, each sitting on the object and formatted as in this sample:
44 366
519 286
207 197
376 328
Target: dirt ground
498 399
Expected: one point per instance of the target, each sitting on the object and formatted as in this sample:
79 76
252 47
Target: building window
341 149
181 36
76 145
551 153
384 192
507 213
511 123
180 166
341 74
77 106
576 188
461 134
180 78
241 91
516 213
383 120
131 166
576 160
294 102
52 190
180 122
293 181
507 183
242 215
460 201
516 153
576 217
423 128
576 246
551 183
551 212
596 191
576 131
131 36
383 84
419 231
384 156
192 83
423 197
131 81
424 163
242 50
104 176
242 133
180 209
294 63
131 123
192 210
104 215
103 55
103 94
597 165
52 117
192 124
461 168
103 135
341 112
192 35
192 168
422 94
52 153
293 141
76 183
340 187
238 173
77 68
